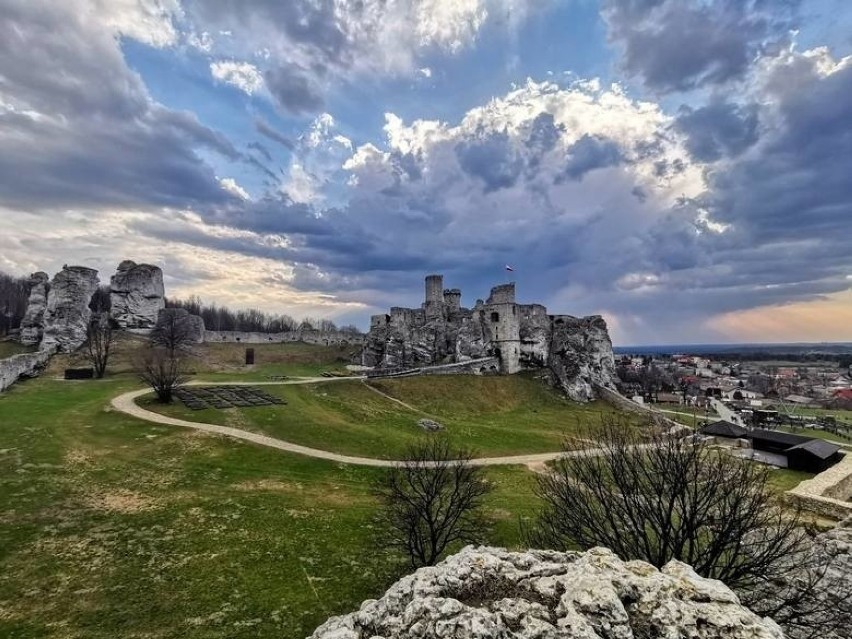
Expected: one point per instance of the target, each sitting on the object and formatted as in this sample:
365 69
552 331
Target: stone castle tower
501 314
577 351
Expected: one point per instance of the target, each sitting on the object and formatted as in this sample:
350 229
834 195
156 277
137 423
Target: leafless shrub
431 500
162 371
100 339
658 497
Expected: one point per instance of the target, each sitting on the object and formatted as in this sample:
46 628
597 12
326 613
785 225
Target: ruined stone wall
522 335
534 333
828 492
23 365
307 336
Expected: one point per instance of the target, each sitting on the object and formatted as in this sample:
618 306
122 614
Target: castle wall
23 365
577 351
325 338
534 333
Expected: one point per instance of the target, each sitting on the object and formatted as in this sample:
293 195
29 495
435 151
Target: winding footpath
126 403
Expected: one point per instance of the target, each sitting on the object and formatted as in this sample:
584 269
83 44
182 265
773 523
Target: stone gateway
577 352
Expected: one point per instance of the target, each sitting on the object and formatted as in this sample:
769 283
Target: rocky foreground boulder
67 314
491 593
137 295
31 326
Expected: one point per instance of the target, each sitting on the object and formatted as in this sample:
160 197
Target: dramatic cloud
307 44
678 224
674 45
294 88
718 129
78 128
242 75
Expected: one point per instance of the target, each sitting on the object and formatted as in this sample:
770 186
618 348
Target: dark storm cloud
492 158
674 45
294 89
718 130
588 153
82 130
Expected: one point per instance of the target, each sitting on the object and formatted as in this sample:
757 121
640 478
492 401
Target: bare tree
173 332
431 500
100 339
162 371
658 498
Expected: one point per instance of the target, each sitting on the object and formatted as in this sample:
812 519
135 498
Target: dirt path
126 403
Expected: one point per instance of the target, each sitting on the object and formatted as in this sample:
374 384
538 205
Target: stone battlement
442 332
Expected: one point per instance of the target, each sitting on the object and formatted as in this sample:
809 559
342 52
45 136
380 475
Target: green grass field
492 415
114 527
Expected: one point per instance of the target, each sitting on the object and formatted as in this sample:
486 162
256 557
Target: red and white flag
509 268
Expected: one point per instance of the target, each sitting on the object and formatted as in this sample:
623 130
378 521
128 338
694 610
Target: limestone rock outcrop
522 336
187 328
32 326
23 365
136 295
581 357
67 314
490 593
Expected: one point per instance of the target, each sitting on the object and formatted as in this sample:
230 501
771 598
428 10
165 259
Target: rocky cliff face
136 295
67 314
32 326
490 593
186 328
581 356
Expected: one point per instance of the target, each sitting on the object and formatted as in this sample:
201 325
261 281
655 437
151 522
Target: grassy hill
492 415
114 527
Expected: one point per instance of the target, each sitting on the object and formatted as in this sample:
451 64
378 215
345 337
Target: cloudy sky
683 168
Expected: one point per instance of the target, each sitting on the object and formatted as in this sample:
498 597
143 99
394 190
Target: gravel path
126 403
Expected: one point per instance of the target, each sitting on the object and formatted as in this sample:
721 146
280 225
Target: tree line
14 292
252 320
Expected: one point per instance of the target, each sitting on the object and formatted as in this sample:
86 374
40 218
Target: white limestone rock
430 425
32 326
23 365
136 295
581 356
491 593
67 314
189 327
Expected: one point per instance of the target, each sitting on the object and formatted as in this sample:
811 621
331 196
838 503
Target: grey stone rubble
32 325
24 365
576 351
67 314
136 295
490 593
430 425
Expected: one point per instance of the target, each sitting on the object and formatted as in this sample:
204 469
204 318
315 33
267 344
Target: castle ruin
577 352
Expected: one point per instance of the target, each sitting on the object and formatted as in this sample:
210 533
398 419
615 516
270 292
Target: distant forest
221 318
14 292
